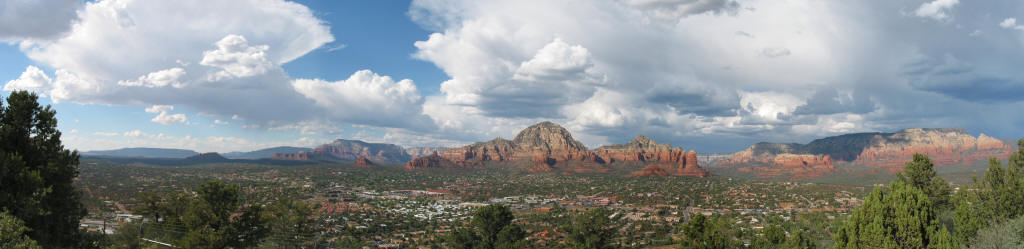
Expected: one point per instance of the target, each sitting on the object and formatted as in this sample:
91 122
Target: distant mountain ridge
878 151
350 151
264 153
143 152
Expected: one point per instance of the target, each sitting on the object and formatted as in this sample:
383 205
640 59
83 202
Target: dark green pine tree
219 219
708 233
37 172
920 173
12 233
800 240
590 230
772 237
490 227
900 216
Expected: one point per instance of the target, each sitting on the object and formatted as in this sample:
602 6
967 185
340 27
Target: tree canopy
490 227
36 173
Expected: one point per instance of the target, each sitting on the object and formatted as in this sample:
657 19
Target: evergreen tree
708 233
920 173
37 172
966 219
490 227
289 220
901 216
800 240
773 237
590 230
218 219
12 233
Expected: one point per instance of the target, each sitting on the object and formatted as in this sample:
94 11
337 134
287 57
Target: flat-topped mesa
885 151
641 150
498 149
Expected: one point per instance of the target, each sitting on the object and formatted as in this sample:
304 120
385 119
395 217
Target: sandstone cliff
886 152
429 162
415 152
548 146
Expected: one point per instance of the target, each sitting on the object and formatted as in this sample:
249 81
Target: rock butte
362 162
548 146
879 152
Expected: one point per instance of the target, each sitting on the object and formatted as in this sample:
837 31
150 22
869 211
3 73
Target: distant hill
143 152
342 150
265 153
211 157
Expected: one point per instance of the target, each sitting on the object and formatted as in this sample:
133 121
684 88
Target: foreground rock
877 152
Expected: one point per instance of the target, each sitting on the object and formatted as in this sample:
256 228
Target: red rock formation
362 162
641 150
548 146
882 152
651 170
429 162
543 143
689 166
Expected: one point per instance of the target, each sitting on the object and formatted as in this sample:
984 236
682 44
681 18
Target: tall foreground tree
920 173
993 199
36 172
218 218
900 216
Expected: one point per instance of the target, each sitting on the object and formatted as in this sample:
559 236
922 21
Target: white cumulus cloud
32 79
938 9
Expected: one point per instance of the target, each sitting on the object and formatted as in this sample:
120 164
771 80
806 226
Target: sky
709 75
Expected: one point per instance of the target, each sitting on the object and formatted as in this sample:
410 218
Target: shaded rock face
350 150
363 162
427 162
887 152
548 146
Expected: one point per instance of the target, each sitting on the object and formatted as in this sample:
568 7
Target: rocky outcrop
886 152
543 143
432 161
362 162
651 170
415 152
497 150
350 150
548 146
641 150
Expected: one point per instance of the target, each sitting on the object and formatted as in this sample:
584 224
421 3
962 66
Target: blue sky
710 75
